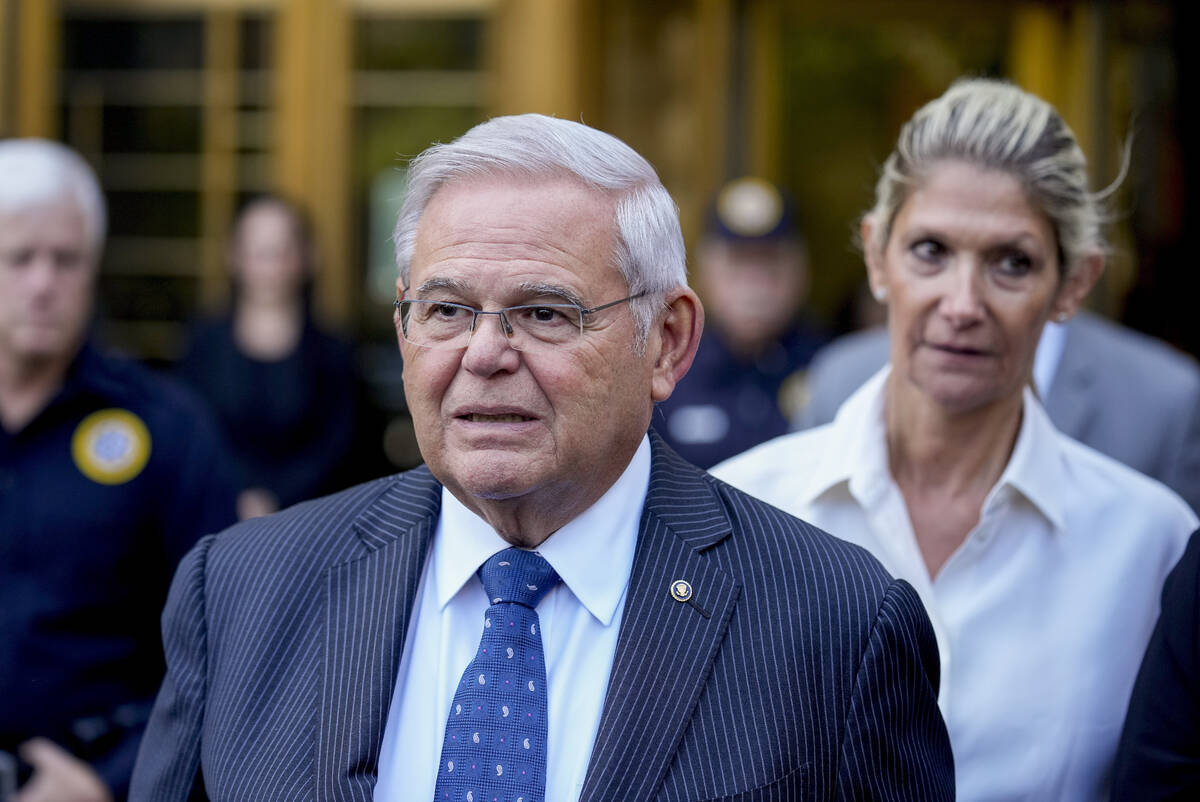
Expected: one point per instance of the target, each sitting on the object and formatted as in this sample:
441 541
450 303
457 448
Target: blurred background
188 107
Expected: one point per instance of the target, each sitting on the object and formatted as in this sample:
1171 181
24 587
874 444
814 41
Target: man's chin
44 348
495 476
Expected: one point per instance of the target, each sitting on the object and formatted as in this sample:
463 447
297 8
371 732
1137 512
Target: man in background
752 270
107 476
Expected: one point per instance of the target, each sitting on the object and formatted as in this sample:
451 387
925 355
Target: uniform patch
111 446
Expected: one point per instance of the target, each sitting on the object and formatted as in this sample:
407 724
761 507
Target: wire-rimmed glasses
447 324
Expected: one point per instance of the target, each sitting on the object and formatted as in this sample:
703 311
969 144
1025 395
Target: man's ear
1076 286
396 312
678 337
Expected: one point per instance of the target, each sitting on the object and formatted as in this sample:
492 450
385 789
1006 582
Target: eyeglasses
445 324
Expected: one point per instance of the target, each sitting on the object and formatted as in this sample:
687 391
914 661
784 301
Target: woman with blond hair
1039 560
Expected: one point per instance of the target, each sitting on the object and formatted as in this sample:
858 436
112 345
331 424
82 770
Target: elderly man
555 607
107 477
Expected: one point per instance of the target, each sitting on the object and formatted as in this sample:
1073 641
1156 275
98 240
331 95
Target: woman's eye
1015 264
928 250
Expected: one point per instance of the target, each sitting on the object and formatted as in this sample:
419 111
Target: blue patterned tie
495 744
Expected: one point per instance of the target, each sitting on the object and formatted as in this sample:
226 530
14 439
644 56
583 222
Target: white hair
36 172
649 250
998 126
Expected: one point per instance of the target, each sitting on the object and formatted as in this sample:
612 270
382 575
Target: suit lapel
1070 403
368 607
665 647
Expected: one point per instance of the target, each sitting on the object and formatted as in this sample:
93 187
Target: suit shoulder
767 535
1145 360
869 344
319 531
848 361
840 368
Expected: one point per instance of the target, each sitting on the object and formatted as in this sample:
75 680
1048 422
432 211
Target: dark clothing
798 669
100 496
291 423
726 404
1159 755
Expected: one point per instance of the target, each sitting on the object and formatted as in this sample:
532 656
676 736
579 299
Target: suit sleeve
895 745
168 762
1159 754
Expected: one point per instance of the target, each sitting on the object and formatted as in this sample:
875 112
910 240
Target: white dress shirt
580 618
1043 612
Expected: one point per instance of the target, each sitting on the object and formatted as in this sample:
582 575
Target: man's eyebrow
538 288
443 283
528 288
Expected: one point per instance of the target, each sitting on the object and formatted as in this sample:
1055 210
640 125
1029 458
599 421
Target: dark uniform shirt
726 404
100 495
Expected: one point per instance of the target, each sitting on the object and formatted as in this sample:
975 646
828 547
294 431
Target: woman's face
267 254
971 274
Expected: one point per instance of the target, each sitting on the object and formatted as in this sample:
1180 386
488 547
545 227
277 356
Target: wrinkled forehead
58 220
518 225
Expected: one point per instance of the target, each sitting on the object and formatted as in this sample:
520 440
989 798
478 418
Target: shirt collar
1034 470
89 372
861 459
592 554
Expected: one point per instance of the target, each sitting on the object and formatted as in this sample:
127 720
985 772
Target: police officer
108 475
746 381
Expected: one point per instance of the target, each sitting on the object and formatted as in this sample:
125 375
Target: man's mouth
476 417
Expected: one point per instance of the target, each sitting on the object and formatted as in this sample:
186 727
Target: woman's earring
880 293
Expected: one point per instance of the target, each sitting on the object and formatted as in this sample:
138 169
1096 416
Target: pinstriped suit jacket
798 670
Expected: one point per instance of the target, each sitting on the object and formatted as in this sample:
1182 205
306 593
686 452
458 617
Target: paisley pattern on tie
495 744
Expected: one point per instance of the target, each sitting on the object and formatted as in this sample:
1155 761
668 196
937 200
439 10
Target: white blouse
1043 612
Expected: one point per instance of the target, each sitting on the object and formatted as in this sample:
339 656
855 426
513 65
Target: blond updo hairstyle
997 126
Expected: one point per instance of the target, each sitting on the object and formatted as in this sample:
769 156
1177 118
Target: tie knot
516 575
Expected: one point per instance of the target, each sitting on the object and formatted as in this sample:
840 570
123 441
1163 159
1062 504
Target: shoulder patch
111 446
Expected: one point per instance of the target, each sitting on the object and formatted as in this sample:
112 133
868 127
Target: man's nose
42 273
490 350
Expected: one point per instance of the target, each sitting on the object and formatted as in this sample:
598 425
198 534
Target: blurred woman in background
284 389
1039 560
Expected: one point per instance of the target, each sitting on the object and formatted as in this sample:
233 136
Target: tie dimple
494 749
518 576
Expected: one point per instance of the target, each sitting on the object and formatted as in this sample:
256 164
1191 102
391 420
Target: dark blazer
1126 395
798 670
1159 755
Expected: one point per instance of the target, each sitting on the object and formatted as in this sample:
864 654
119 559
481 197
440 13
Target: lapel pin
681 591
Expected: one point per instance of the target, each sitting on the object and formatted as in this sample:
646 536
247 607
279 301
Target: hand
255 502
59 776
